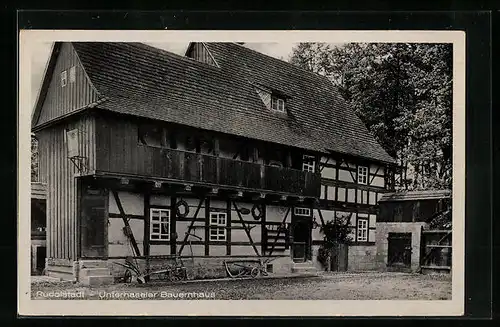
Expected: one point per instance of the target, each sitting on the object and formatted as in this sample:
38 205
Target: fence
435 251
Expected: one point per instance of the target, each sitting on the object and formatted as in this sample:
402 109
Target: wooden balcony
201 169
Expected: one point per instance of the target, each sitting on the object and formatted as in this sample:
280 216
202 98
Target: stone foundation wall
64 269
362 258
202 268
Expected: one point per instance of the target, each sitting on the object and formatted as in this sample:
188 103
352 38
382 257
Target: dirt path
361 286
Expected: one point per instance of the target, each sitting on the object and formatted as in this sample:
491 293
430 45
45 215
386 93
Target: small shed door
399 250
94 225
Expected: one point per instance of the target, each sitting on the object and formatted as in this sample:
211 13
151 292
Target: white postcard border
453 307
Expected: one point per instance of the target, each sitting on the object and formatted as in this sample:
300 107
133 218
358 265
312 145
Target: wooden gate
399 251
339 258
435 250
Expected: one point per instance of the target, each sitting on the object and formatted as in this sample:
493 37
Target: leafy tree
402 92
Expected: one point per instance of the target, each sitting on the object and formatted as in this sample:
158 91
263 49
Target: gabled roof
47 76
314 101
144 81
416 195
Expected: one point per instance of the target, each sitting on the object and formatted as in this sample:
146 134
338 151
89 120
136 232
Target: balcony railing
206 169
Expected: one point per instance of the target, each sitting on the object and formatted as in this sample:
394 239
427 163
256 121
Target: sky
41 53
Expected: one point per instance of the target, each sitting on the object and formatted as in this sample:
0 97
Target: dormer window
273 100
277 104
64 78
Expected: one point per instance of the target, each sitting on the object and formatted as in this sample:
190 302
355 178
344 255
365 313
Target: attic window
64 78
277 104
72 74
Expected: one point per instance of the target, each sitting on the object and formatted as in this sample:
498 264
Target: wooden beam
246 229
321 217
216 147
279 231
255 154
259 196
146 218
127 225
288 158
191 226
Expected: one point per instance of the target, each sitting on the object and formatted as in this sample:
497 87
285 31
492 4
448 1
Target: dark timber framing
130 233
190 228
247 231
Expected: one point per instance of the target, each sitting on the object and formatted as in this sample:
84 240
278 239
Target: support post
191 226
127 225
279 231
246 229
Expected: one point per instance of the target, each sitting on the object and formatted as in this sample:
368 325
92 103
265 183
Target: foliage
34 160
441 221
403 93
335 232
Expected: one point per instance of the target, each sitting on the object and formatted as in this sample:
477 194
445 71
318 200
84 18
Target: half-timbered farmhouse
221 153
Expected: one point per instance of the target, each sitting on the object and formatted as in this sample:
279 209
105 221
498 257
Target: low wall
202 268
64 269
362 258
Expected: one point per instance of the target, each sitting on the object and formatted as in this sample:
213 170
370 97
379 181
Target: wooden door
339 257
93 224
301 239
399 251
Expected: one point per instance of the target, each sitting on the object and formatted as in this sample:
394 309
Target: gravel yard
334 286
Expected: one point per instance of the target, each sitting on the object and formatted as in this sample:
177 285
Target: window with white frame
362 230
308 163
277 104
64 78
218 222
159 224
362 175
72 74
302 212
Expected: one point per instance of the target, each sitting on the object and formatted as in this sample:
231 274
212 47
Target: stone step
303 264
98 280
60 269
304 270
94 272
60 275
93 264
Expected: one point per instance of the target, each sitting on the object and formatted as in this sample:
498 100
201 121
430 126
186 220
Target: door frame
307 221
406 236
82 194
